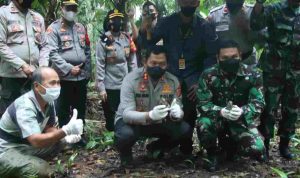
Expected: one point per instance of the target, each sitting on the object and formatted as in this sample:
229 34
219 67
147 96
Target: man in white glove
233 114
147 110
176 112
159 112
230 100
28 132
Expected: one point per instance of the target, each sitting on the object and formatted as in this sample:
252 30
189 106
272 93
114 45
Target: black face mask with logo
155 72
26 4
230 66
188 11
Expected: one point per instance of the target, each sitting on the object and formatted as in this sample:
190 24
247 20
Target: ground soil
103 161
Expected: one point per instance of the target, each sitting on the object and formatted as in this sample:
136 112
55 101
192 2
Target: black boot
284 148
267 146
211 164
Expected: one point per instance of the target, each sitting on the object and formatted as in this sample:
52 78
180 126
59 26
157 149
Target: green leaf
279 172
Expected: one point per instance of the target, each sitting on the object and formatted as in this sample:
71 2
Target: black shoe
284 148
126 161
267 146
211 163
154 152
83 142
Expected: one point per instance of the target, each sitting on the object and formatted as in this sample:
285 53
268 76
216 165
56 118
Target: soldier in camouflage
280 63
230 100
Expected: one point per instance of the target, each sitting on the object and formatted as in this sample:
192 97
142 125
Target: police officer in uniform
150 106
114 59
70 57
22 45
232 21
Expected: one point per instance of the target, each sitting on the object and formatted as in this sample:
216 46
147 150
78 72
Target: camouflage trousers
248 141
27 162
284 89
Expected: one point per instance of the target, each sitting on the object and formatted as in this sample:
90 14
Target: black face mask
188 11
234 7
117 26
155 72
26 4
231 66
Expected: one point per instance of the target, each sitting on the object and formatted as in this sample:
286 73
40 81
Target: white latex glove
75 126
225 113
70 139
235 113
159 112
176 112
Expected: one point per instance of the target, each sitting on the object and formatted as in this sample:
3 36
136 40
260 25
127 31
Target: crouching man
28 132
150 107
230 101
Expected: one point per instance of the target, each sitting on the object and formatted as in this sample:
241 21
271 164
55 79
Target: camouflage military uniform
70 47
280 63
215 91
237 27
22 41
22 119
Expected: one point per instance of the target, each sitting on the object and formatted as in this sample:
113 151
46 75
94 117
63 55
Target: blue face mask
51 94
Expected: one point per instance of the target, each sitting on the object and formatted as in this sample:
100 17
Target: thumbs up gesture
75 126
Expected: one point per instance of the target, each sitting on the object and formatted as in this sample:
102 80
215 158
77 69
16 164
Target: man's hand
27 69
176 112
71 139
192 93
146 23
225 113
159 112
235 113
75 126
103 96
76 70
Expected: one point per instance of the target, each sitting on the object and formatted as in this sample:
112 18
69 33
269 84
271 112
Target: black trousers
126 135
110 108
12 88
72 95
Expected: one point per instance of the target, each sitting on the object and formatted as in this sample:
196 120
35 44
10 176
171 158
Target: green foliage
281 173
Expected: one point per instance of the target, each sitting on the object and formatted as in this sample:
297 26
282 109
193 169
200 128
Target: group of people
162 80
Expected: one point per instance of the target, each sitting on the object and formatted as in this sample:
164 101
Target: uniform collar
194 21
226 10
13 8
34 100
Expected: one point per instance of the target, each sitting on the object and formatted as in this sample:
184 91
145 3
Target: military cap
69 2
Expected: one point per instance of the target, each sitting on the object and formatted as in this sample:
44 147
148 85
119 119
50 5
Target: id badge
181 64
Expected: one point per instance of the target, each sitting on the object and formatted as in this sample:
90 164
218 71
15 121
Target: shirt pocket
16 33
222 27
283 31
81 39
37 34
66 42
